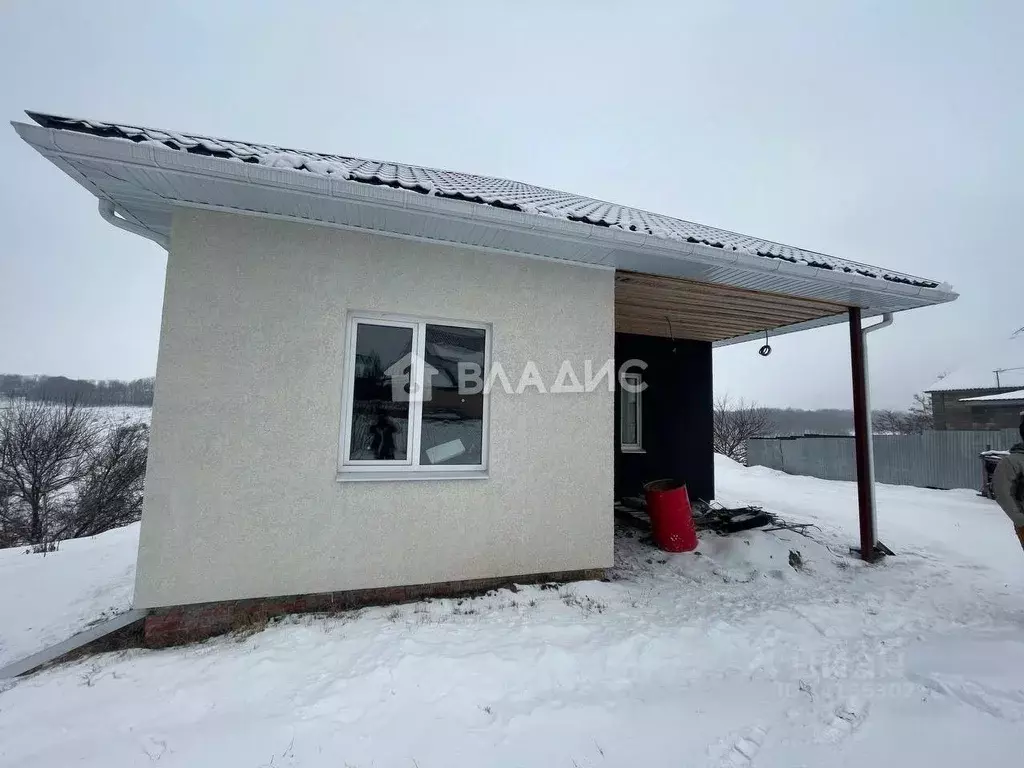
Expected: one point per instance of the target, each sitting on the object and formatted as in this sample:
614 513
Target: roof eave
983 401
623 249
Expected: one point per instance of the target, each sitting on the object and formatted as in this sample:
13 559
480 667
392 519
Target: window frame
410 468
636 380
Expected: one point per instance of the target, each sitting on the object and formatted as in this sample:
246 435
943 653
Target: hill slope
47 598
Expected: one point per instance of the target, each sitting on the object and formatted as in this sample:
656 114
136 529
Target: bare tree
734 425
913 422
109 493
43 450
11 530
889 422
922 418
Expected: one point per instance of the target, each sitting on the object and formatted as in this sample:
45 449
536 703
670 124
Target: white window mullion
416 409
347 390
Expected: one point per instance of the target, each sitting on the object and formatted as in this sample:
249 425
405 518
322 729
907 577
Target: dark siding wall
677 416
950 413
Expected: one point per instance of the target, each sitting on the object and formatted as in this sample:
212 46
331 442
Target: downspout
107 212
868 438
885 322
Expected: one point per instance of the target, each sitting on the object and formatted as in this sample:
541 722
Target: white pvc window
414 405
631 413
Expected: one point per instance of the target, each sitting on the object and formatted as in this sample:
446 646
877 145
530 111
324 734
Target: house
1003 410
986 393
284 469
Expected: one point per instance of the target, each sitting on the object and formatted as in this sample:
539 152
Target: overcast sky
884 132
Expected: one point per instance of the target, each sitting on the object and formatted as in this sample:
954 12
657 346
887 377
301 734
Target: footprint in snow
745 748
1006 704
846 719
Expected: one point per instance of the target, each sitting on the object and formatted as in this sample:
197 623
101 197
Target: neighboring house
280 462
984 393
999 411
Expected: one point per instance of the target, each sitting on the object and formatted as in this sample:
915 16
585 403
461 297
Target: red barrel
668 506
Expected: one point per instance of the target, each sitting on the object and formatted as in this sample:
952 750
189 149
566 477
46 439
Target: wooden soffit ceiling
684 309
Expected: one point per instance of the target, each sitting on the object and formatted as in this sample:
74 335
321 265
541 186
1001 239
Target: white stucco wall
242 497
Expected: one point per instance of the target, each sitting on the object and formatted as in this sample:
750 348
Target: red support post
862 444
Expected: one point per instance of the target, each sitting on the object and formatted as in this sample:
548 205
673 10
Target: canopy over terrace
655 305
676 276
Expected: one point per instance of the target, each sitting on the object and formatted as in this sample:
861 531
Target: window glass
628 418
380 393
452 426
629 423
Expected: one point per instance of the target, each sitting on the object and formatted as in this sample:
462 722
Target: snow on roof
1006 357
1017 394
502 193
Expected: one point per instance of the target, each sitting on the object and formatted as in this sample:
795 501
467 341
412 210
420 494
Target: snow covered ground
730 657
108 414
47 598
115 415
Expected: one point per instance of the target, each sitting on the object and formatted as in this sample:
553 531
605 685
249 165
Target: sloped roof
1017 394
485 190
1005 356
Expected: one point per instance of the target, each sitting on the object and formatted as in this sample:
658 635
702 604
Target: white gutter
107 211
884 323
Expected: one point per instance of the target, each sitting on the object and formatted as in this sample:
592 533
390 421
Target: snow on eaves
1017 394
501 193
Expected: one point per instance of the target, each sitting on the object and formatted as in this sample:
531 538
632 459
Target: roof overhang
1015 397
671 307
146 182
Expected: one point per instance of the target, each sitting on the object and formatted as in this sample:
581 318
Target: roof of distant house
1017 394
486 190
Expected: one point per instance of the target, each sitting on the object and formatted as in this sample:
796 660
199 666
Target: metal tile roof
485 190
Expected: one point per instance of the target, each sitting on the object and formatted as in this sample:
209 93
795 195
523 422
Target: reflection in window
630 412
452 422
380 404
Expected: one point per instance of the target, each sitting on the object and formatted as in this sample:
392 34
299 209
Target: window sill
629 449
361 476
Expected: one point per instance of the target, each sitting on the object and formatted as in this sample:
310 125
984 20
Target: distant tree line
797 421
61 389
786 422
736 421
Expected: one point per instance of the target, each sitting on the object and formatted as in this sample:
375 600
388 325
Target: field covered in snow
743 654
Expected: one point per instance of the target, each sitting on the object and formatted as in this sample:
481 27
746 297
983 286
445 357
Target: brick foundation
181 624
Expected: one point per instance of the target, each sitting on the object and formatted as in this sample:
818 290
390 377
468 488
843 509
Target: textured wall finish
242 497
